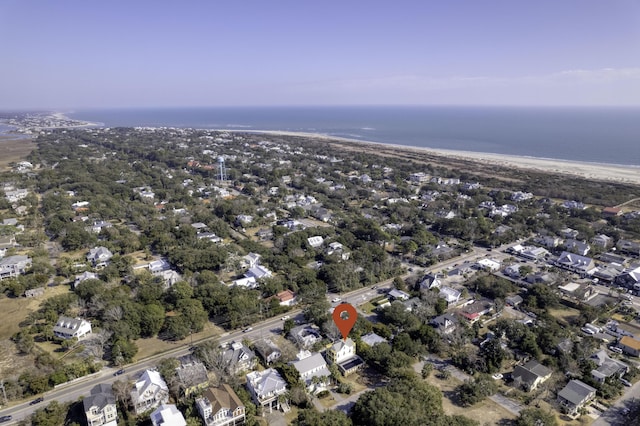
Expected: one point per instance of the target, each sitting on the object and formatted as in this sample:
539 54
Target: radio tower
222 170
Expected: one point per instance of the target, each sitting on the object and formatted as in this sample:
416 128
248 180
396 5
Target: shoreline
598 171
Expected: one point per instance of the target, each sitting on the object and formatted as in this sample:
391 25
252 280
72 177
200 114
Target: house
396 294
12 266
372 339
68 328
575 246
267 350
83 277
209 236
192 375
286 298
149 391
169 278
343 354
607 367
305 336
430 281
100 406
258 272
575 395
512 271
315 241
199 227
334 247
451 295
629 278
341 350
630 346
310 366
251 260
629 247
548 241
488 264
611 212
99 256
238 357
569 233
167 415
530 375
265 388
576 263
472 312
602 240
220 406
444 324
247 282
159 265
98 226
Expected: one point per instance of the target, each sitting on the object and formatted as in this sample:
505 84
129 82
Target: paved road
614 415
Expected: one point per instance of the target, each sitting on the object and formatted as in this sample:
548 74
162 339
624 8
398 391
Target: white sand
595 171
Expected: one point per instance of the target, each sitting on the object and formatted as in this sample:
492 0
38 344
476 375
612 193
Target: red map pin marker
345 315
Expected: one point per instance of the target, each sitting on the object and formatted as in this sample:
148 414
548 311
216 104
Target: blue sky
78 54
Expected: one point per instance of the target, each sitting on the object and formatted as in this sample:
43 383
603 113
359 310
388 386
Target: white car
497 376
248 329
615 349
286 317
336 300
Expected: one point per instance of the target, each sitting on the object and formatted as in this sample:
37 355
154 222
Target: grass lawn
14 150
367 308
565 314
153 346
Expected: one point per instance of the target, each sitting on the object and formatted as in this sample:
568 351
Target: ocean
597 135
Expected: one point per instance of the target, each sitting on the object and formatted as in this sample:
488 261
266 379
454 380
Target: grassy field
487 411
14 150
565 314
153 346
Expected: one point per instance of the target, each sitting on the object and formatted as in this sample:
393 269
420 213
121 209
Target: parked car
119 372
615 349
497 376
626 382
5 419
248 329
286 317
336 299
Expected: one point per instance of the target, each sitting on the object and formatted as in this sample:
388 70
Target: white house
310 366
286 298
100 406
451 295
12 266
248 282
221 407
167 415
99 256
251 260
489 264
265 387
315 241
149 392
258 272
68 328
83 277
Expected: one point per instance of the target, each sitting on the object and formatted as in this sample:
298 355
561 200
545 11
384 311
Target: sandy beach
595 171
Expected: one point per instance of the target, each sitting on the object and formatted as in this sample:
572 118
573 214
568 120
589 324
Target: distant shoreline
597 171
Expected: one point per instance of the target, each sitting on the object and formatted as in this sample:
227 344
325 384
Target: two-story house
343 354
220 406
100 406
267 350
149 392
238 357
266 387
310 366
99 256
12 266
530 375
68 328
575 395
192 375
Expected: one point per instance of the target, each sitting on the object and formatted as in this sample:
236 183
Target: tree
536 417
406 400
473 391
311 417
151 320
427 368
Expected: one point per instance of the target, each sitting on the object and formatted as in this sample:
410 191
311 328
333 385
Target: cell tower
222 170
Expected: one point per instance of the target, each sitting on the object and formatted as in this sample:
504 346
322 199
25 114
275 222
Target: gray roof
314 361
576 392
372 339
529 372
101 396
